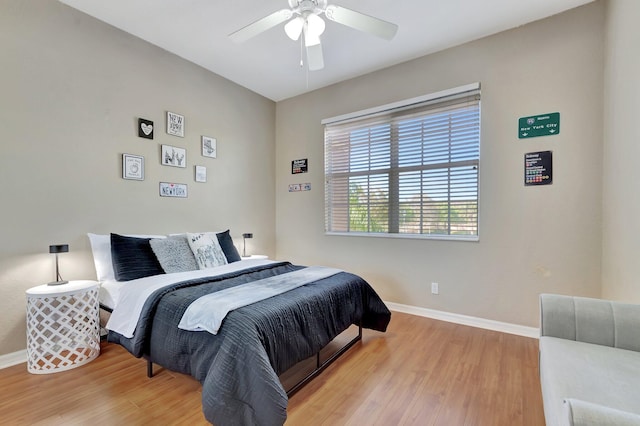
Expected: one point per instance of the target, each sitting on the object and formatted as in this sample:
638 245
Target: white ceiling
269 64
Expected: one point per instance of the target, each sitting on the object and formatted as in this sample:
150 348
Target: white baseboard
12 359
487 324
19 357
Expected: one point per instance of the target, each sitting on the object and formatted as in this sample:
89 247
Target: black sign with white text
299 166
538 168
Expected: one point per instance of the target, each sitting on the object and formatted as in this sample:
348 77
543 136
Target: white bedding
130 296
109 291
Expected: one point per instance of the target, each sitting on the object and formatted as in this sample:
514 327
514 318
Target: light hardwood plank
420 372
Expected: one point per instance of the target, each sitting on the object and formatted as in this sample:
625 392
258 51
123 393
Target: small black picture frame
299 166
145 128
538 168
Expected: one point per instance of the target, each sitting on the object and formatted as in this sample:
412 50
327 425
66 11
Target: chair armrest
597 321
582 413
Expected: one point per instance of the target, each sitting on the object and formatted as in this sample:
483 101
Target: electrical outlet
434 288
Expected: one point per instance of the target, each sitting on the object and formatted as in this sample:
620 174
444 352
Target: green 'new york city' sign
539 125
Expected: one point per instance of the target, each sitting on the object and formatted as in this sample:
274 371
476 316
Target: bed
235 326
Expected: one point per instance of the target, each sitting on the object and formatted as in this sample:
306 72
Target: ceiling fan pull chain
301 53
306 70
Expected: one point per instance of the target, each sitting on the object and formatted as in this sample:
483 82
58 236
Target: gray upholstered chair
589 361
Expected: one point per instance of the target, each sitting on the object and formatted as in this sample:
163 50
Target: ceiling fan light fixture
315 25
310 39
293 28
304 17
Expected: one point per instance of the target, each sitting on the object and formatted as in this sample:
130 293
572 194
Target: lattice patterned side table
63 326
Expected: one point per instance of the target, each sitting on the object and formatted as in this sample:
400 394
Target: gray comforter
239 367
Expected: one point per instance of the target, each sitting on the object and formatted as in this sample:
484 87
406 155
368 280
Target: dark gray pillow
226 243
174 254
133 258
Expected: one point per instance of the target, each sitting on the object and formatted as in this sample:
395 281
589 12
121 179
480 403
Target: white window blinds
411 169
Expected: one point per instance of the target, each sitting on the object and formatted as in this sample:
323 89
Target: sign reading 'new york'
539 125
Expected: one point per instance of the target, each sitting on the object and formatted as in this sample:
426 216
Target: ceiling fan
307 21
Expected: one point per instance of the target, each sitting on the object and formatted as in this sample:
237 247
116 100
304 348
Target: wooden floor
420 372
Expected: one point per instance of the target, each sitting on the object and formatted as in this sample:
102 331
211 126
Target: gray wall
532 239
71 90
621 198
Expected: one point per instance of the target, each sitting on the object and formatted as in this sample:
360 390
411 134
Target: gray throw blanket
208 312
239 367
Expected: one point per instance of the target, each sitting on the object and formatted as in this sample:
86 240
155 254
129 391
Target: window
406 169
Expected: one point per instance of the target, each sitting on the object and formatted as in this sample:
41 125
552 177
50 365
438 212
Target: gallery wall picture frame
299 166
175 124
173 156
173 190
145 128
200 173
132 167
209 147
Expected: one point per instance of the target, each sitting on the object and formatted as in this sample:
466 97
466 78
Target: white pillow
206 249
101 248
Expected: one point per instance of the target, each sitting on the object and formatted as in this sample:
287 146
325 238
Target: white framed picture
175 124
209 147
173 156
201 173
132 167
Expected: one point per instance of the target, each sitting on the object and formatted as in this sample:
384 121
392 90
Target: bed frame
320 366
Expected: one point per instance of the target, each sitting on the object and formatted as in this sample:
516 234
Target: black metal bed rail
320 367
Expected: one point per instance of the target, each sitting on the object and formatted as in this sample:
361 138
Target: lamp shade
315 26
293 28
59 248
247 235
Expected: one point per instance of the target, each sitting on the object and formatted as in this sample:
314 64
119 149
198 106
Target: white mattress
109 292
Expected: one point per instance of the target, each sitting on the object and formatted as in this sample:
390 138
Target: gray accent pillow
174 254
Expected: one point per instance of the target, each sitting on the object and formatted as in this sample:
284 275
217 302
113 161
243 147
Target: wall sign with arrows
539 125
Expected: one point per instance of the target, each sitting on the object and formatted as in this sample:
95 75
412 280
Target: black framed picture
145 128
299 166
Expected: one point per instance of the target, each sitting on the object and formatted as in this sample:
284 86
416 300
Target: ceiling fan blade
315 61
361 22
252 30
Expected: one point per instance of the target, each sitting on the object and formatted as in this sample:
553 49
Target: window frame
394 171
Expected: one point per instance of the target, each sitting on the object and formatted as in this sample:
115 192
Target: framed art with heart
145 128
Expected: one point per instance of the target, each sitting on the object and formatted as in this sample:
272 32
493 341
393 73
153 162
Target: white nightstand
255 256
63 326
